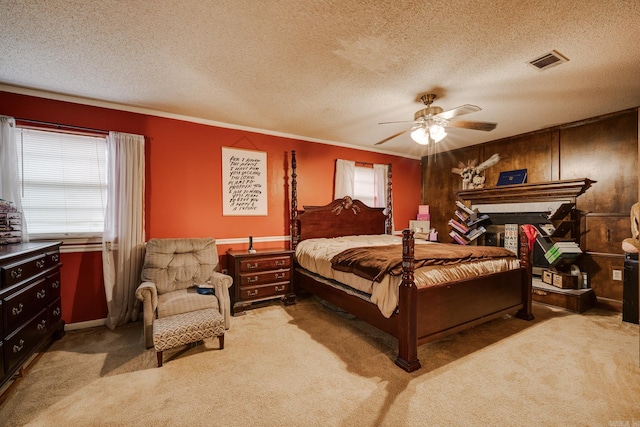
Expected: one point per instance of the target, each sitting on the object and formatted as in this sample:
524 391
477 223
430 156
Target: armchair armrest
148 294
221 284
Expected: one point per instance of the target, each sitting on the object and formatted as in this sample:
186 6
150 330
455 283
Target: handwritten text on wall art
244 182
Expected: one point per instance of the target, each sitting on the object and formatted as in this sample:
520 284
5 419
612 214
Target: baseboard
84 325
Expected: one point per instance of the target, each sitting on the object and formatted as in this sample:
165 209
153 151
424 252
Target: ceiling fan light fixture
420 135
437 132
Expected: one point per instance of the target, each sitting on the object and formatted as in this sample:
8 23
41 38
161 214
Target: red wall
183 190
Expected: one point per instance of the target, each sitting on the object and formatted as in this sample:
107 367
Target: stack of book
562 252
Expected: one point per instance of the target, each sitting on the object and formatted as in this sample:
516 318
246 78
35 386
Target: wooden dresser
29 302
260 276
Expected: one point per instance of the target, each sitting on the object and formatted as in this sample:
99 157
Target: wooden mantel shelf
568 189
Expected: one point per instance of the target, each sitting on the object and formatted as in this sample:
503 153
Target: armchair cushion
183 301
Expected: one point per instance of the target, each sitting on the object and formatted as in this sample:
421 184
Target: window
63 183
364 185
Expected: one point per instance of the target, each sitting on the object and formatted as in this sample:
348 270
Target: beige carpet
306 365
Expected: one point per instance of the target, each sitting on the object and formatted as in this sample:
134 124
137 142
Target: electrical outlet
617 274
225 271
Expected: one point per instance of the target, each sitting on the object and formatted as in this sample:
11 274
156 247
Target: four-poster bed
421 311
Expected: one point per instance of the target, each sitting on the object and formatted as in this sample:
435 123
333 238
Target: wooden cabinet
30 305
260 276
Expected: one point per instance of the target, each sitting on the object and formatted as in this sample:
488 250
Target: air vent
548 60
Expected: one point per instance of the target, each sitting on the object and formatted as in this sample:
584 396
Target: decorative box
565 280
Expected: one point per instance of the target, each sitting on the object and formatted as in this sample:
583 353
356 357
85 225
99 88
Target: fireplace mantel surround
568 189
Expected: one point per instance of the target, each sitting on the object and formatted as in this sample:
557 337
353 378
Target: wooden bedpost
389 221
295 235
407 309
525 260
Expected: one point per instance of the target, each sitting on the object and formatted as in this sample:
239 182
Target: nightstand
264 275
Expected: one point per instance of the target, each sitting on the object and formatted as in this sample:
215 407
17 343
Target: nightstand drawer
265 291
259 278
261 264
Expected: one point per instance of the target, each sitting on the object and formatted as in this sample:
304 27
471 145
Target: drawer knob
18 347
55 257
252 279
252 293
40 263
42 325
280 262
56 311
56 284
280 288
41 294
280 275
17 273
17 310
252 266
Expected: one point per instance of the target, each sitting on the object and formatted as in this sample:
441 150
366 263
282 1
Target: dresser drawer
264 291
2 358
22 341
53 259
266 263
21 306
16 273
54 312
53 286
260 278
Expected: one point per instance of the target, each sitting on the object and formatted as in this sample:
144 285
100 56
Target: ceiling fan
430 122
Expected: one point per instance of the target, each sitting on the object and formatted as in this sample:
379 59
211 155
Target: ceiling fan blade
395 135
486 126
458 111
402 121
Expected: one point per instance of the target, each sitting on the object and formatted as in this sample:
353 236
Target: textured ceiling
330 71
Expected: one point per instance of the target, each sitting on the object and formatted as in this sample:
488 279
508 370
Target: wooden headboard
342 217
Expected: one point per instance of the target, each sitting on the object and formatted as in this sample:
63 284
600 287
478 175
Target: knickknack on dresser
29 303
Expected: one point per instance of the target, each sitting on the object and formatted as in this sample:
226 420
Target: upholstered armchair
172 272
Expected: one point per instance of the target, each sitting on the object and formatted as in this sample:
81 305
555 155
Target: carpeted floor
308 365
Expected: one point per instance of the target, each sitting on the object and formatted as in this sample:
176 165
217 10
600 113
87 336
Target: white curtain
345 176
9 176
381 188
380 179
123 238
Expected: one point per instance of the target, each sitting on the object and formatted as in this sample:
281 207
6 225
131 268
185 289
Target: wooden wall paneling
601 151
604 233
555 155
599 270
440 185
534 152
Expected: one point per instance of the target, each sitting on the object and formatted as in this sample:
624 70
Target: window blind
363 185
63 183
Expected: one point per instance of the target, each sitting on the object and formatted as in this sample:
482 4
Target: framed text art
244 182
